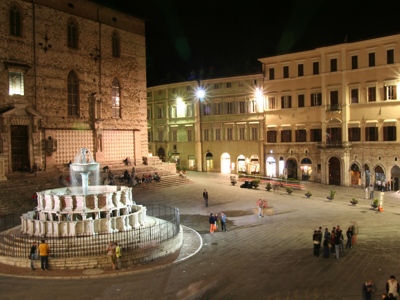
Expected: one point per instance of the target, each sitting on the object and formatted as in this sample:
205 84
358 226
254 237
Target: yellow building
230 118
327 115
331 113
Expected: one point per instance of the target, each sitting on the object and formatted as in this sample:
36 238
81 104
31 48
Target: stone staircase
16 193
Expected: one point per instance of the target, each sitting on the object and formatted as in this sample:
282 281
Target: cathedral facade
73 75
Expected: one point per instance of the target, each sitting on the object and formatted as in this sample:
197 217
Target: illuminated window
390 92
316 99
286 102
16 83
115 99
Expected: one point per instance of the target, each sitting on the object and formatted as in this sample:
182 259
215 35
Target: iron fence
166 227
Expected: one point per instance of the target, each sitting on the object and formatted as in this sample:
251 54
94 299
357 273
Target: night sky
217 38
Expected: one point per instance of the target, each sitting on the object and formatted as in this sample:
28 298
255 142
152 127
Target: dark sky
218 38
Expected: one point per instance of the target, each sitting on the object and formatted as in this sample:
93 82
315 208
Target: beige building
221 131
328 115
73 75
331 113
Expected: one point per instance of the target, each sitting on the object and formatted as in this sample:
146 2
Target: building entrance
20 148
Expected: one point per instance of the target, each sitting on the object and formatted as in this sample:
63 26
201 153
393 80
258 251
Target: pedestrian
371 191
260 207
44 251
111 254
392 286
341 238
223 222
337 240
32 255
385 297
205 197
349 237
383 186
212 223
217 222
316 242
118 255
368 289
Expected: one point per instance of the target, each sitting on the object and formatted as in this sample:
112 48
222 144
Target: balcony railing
334 107
337 144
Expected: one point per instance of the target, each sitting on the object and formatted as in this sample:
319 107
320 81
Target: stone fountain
83 210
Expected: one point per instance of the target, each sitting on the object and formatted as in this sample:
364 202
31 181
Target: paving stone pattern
257 258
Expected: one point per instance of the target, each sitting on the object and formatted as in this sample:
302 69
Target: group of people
391 289
262 206
332 242
44 252
217 222
114 255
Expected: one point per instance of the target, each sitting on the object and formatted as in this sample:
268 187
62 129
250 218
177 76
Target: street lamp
200 94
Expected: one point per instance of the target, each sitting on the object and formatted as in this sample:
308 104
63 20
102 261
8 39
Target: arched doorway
241 164
355 174
271 167
291 166
367 175
254 165
306 168
225 163
209 162
281 166
334 171
394 180
379 177
161 153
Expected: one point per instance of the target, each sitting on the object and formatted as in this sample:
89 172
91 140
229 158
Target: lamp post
200 94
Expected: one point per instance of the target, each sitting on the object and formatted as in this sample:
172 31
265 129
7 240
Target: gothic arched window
115 99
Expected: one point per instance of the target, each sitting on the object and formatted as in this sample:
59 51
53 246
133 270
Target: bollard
380 207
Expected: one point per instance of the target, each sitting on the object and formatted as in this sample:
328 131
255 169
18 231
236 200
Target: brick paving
257 258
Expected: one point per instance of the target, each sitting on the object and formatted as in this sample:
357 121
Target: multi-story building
328 115
221 131
73 75
332 113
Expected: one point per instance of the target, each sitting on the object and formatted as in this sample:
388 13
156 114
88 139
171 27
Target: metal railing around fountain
167 227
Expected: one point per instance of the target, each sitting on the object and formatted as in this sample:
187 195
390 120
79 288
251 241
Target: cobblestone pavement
257 258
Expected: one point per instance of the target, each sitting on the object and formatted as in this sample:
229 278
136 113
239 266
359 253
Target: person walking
349 235
368 289
371 191
205 197
260 207
218 222
118 255
392 287
317 242
337 239
223 222
111 254
211 219
32 255
44 251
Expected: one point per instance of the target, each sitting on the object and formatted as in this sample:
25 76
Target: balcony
337 144
334 107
